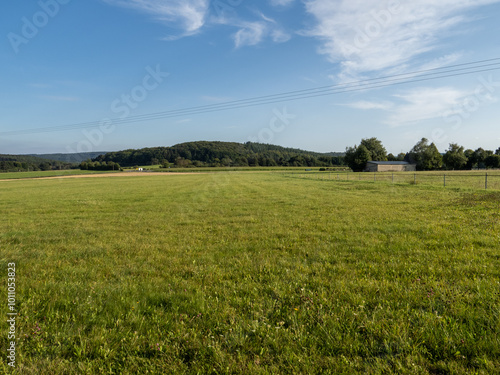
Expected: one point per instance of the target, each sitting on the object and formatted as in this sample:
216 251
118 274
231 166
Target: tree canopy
455 157
356 157
369 149
375 148
23 163
222 154
426 156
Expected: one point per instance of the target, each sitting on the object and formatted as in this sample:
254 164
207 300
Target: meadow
251 273
39 174
476 179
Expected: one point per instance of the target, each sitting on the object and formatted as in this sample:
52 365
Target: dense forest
23 163
72 157
221 154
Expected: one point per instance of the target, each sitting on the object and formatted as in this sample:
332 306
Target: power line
361 85
368 84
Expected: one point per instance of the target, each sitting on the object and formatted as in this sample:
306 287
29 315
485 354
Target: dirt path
123 174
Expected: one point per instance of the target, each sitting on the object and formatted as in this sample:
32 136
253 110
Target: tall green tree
469 154
425 155
455 157
376 149
432 158
479 157
349 156
356 157
492 161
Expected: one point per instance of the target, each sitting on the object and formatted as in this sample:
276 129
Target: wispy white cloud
368 105
281 2
308 79
192 15
280 36
255 32
265 18
426 103
374 36
189 15
414 106
442 61
250 34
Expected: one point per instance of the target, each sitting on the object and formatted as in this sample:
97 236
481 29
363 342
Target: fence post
445 180
486 181
414 179
374 177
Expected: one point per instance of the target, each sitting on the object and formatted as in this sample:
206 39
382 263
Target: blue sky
66 62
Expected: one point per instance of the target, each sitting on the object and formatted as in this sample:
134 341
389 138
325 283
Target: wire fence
453 179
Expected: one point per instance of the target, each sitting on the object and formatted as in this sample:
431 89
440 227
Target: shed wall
390 168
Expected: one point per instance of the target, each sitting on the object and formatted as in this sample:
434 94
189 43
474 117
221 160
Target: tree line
26 163
221 154
231 154
98 166
426 156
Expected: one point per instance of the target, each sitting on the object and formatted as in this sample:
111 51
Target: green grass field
39 174
250 273
157 168
477 179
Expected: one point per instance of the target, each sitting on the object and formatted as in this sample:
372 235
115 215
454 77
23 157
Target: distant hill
21 163
70 158
22 158
208 153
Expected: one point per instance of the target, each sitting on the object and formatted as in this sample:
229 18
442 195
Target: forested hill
20 163
205 153
71 157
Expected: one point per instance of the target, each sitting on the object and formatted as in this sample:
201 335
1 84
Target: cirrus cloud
368 105
375 36
190 15
426 103
281 2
